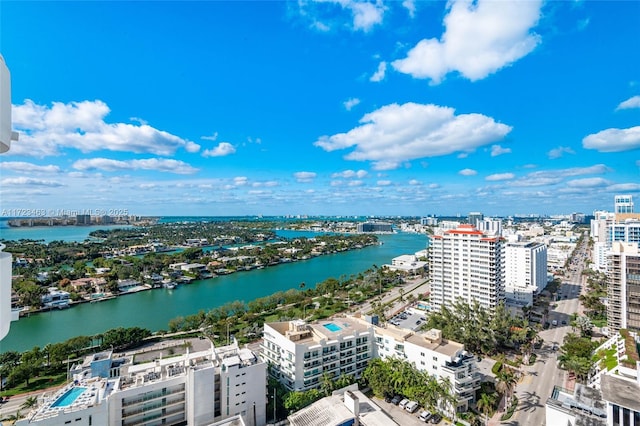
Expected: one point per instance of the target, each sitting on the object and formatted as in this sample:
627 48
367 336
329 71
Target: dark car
564 322
387 398
436 418
396 399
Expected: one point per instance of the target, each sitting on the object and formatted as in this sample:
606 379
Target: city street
536 385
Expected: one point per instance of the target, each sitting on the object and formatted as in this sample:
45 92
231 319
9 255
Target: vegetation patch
511 410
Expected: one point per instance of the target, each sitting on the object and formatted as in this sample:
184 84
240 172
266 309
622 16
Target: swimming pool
68 397
332 327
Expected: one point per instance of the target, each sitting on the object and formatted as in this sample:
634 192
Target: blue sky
336 107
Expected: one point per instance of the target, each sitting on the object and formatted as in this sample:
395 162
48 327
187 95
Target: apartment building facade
466 264
197 388
299 353
525 272
431 353
623 287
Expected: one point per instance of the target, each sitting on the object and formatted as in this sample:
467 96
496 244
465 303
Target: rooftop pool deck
69 397
332 327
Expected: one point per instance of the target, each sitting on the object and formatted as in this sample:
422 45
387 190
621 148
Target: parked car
411 407
436 418
396 399
403 403
424 415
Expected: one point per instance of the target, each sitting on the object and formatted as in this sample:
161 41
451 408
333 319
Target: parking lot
408 320
401 416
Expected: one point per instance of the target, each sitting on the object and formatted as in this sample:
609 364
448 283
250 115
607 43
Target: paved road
537 384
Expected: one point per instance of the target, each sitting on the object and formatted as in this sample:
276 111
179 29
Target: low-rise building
623 403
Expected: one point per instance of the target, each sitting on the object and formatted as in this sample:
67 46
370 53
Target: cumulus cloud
364 15
380 72
559 152
632 102
479 39
350 103
240 180
467 172
47 130
157 164
410 5
500 176
397 133
383 183
498 150
25 181
415 182
305 177
348 174
223 149
24 167
613 140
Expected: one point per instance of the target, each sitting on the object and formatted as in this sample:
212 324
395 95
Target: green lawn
38 383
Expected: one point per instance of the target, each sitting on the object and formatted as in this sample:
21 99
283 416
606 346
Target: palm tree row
393 376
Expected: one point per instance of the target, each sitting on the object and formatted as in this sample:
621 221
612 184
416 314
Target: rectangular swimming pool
69 397
332 327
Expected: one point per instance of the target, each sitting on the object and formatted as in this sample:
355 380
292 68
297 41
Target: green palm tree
485 405
30 402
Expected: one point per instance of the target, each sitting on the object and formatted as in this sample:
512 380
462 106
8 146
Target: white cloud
397 133
624 187
347 174
240 180
480 38
410 5
23 167
559 152
350 103
467 172
588 182
210 138
632 102
25 181
380 72
552 177
305 177
80 125
157 164
498 150
434 186
613 140
322 13
383 183
355 183
223 149
500 176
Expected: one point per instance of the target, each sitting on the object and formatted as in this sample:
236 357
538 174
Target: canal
154 308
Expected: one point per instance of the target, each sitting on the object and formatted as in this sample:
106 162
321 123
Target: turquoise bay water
153 309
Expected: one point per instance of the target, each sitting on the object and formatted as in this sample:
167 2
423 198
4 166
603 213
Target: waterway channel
154 308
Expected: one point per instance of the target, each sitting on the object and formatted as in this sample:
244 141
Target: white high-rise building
197 388
466 264
623 287
525 272
626 232
623 204
6 136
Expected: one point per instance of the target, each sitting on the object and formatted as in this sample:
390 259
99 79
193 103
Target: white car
403 403
411 407
424 415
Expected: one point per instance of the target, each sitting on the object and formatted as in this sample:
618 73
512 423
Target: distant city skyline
322 108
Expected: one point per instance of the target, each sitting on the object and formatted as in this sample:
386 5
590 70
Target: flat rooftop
333 329
620 391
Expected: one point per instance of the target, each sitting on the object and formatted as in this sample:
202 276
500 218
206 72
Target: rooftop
585 404
621 392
